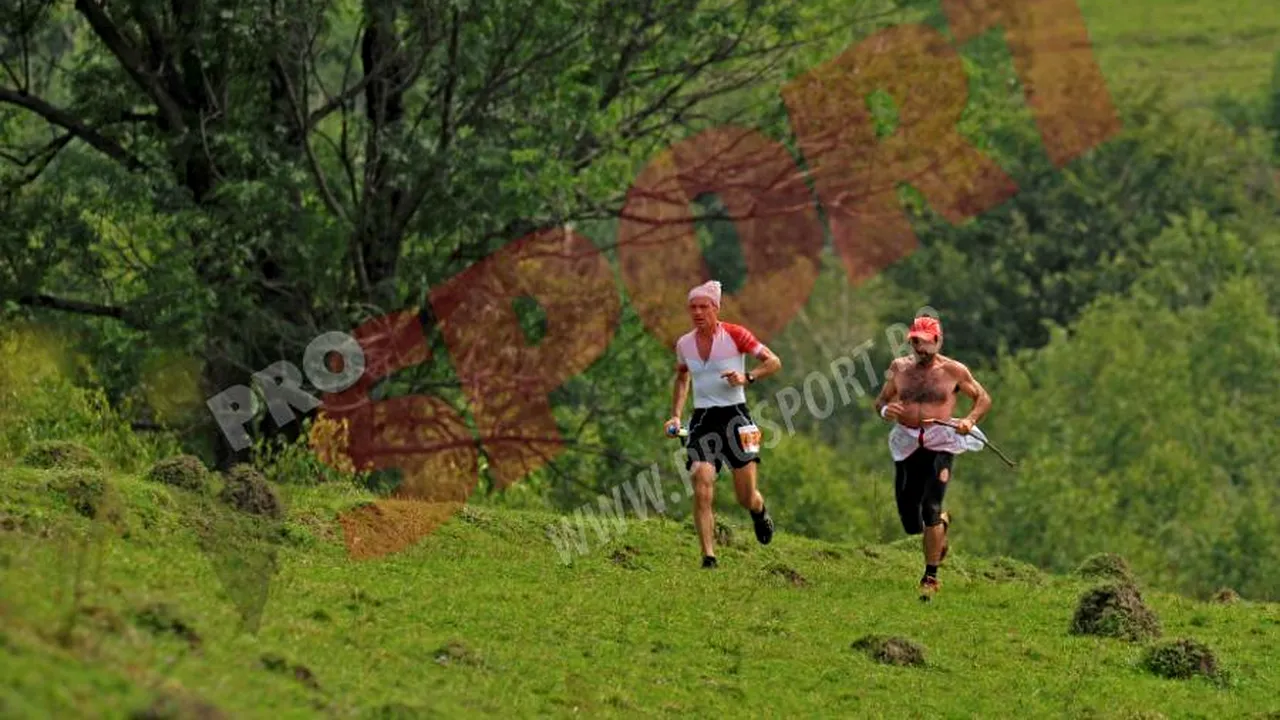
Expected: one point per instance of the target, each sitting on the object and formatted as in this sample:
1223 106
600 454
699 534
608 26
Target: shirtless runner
920 389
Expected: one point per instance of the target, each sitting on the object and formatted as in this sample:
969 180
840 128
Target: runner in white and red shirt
713 356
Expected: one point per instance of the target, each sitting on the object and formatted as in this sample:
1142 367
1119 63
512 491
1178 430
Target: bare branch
385 63
299 117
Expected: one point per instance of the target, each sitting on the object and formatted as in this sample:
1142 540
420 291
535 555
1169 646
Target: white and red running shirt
729 348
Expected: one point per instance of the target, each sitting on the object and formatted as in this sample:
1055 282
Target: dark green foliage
1073 234
1115 610
183 471
60 454
1181 659
1271 112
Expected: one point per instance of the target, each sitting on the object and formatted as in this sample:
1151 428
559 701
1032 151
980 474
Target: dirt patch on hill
174 706
160 619
626 557
788 574
279 664
389 526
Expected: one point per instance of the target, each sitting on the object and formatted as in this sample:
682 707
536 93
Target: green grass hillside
1201 50
137 612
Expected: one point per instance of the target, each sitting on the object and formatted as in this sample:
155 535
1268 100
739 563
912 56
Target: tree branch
299 117
131 61
79 307
42 159
69 122
385 63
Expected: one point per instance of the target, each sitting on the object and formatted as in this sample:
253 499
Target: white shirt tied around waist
940 438
730 346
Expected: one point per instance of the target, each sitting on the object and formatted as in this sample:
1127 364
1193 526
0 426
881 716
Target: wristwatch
750 378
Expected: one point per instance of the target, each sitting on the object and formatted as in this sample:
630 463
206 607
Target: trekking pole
982 438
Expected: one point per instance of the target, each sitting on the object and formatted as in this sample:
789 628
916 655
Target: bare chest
926 386
704 347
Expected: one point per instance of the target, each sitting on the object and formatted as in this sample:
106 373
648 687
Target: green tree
231 179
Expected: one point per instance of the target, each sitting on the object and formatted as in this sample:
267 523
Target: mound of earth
890 650
1181 659
1115 610
53 454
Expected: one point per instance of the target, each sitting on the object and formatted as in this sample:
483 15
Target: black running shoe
709 562
763 526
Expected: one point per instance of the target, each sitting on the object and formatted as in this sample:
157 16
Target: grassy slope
599 637
657 635
1201 49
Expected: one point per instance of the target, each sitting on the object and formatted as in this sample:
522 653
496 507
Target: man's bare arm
679 391
970 386
888 391
769 365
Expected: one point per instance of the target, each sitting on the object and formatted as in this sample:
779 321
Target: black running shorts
919 488
713 437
